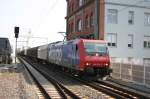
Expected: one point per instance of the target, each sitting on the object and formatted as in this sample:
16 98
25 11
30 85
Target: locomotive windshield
97 49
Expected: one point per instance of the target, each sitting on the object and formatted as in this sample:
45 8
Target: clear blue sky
43 17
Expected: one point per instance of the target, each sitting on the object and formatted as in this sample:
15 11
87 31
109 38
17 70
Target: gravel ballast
14 85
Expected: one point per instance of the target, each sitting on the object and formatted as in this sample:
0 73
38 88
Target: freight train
5 51
79 56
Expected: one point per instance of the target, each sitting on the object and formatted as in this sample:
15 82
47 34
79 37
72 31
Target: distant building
125 24
5 51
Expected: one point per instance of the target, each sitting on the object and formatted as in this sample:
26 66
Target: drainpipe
96 22
67 20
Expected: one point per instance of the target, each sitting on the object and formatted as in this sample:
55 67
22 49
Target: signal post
16 31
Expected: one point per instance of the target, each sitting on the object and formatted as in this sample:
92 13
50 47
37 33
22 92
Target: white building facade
127 30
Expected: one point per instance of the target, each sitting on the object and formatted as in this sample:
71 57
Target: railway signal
16 31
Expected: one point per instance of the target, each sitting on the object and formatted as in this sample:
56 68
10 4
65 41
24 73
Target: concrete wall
130 72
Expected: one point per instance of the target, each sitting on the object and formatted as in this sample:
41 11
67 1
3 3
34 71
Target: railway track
114 90
130 85
41 88
119 92
60 91
77 88
128 91
109 90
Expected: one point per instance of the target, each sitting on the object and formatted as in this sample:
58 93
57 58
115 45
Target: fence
132 72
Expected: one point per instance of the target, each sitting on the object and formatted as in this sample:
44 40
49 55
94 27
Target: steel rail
45 94
56 83
136 94
112 89
100 88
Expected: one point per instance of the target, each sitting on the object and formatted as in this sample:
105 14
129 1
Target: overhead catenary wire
50 9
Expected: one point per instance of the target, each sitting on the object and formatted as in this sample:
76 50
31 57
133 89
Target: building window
6 42
146 42
80 3
112 16
69 28
69 9
147 19
77 3
72 8
130 41
85 1
86 22
79 25
112 39
72 27
91 20
131 17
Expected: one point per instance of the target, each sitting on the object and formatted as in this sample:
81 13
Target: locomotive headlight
87 64
106 64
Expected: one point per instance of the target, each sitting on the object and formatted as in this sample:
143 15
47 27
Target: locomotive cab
96 54
96 57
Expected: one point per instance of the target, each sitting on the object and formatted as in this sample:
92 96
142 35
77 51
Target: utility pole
16 31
